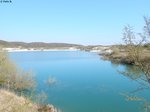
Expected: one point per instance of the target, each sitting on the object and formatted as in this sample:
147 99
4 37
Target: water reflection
134 73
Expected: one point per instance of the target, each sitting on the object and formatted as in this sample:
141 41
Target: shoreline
115 54
32 50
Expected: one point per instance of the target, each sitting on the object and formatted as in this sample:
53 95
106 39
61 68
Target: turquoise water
84 82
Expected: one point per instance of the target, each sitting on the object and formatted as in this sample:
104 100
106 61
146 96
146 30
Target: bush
13 78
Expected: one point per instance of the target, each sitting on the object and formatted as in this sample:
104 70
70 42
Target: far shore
30 50
115 54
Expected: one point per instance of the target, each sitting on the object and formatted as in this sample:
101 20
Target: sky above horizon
87 22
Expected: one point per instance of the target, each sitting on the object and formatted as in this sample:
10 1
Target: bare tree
136 52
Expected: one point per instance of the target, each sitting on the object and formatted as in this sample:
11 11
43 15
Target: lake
84 82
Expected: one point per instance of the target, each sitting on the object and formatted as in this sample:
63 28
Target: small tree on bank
135 47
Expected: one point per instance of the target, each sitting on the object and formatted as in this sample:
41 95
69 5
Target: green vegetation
17 89
12 78
14 81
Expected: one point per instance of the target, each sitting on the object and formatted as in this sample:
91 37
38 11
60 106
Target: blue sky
71 21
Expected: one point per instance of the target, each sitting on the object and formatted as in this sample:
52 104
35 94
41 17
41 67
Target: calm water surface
85 83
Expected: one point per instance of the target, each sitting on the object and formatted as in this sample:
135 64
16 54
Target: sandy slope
10 102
